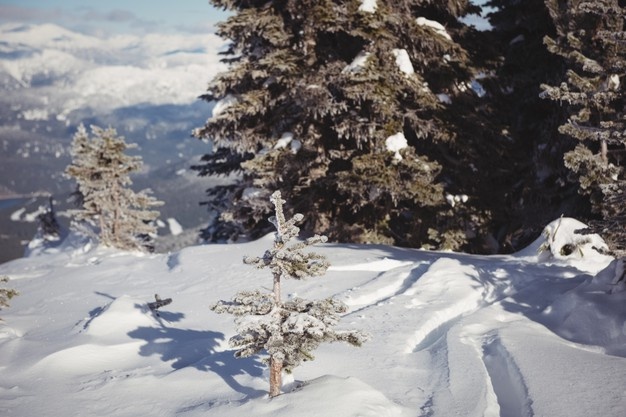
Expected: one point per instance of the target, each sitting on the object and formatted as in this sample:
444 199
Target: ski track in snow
506 380
408 283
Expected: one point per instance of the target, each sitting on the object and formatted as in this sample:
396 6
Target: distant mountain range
53 79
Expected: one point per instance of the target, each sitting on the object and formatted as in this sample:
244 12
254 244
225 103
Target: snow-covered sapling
5 293
287 331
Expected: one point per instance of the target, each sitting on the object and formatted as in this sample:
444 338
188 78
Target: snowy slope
452 334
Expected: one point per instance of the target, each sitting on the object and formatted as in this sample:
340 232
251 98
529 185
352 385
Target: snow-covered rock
560 242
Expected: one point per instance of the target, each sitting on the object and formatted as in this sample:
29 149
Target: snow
613 82
403 61
175 227
358 63
222 104
437 27
20 215
35 114
368 6
453 200
444 98
286 139
395 143
518 38
16 216
535 333
75 71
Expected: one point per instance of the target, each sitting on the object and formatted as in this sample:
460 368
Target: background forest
397 123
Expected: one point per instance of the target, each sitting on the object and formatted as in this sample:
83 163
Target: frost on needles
123 218
287 331
5 293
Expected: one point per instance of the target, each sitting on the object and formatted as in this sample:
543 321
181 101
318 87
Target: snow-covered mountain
66 71
530 334
147 87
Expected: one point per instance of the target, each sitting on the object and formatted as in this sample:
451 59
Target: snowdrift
536 333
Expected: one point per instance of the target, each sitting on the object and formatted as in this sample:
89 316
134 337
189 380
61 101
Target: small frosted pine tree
288 331
102 170
5 294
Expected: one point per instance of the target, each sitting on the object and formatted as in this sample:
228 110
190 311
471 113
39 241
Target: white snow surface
174 226
437 27
368 6
395 143
453 334
403 61
358 63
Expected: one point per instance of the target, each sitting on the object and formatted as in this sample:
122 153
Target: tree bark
604 152
276 369
276 289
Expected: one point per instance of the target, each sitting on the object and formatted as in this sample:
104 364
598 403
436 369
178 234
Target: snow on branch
403 61
5 293
368 6
437 27
290 261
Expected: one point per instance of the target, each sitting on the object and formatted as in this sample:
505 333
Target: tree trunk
276 290
604 152
276 369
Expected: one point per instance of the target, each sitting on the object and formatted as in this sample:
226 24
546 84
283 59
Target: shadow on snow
197 349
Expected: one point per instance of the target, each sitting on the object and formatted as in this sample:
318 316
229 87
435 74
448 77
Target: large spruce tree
538 189
591 39
350 108
123 218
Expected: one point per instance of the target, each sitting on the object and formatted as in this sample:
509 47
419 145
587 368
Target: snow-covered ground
529 334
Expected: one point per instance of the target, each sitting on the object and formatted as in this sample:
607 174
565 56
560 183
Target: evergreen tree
538 189
102 171
345 107
290 330
5 293
591 39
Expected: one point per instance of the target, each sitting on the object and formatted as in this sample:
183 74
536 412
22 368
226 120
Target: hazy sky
115 15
